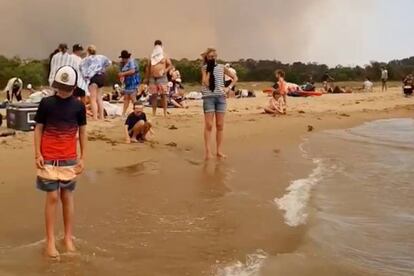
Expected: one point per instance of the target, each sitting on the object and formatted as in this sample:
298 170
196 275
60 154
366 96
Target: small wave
294 203
251 267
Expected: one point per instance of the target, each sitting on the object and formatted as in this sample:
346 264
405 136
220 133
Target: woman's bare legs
100 104
93 90
208 128
219 133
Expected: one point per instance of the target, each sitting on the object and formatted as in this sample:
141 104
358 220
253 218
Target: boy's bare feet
69 245
51 251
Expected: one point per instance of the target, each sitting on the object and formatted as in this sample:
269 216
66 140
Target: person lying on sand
137 125
341 90
276 104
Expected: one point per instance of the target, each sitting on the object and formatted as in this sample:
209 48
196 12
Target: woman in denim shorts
214 100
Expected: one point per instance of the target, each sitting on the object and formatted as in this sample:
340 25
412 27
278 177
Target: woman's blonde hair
207 52
91 50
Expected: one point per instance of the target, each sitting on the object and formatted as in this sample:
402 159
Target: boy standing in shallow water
58 119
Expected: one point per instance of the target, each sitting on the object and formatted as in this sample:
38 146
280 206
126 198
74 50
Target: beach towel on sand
157 55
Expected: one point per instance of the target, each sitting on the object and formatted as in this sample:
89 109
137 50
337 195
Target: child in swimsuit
276 104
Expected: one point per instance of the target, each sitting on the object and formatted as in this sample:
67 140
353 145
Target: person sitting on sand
368 85
116 92
143 94
408 85
59 119
177 100
327 83
228 80
276 104
137 125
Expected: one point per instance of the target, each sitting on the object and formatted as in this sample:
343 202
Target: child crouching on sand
276 104
137 125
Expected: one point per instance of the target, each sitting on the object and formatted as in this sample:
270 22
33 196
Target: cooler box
20 116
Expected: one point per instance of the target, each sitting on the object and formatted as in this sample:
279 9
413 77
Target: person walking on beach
81 89
384 79
129 75
214 99
59 119
93 69
156 76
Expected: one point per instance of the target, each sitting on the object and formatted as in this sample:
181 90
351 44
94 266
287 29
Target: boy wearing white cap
58 120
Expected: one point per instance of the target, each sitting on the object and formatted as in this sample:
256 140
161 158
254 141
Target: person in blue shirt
129 75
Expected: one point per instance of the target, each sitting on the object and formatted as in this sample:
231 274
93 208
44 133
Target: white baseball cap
29 86
66 78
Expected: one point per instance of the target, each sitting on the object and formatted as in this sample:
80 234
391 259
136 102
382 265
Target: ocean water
357 206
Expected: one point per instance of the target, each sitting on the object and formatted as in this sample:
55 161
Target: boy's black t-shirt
61 119
133 119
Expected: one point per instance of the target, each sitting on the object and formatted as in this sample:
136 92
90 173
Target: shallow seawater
358 203
173 214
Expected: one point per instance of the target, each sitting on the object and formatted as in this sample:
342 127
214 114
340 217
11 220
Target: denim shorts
57 175
216 104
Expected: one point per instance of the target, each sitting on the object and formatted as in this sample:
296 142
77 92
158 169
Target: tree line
35 71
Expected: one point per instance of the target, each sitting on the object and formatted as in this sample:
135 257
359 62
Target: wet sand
159 209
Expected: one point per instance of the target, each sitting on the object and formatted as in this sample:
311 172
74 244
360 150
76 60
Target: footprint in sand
194 162
140 168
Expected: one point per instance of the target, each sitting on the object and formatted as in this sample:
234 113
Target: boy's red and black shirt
61 119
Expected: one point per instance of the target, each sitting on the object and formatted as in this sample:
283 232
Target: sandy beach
159 209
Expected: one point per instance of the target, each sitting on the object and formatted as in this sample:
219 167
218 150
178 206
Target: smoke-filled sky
327 31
